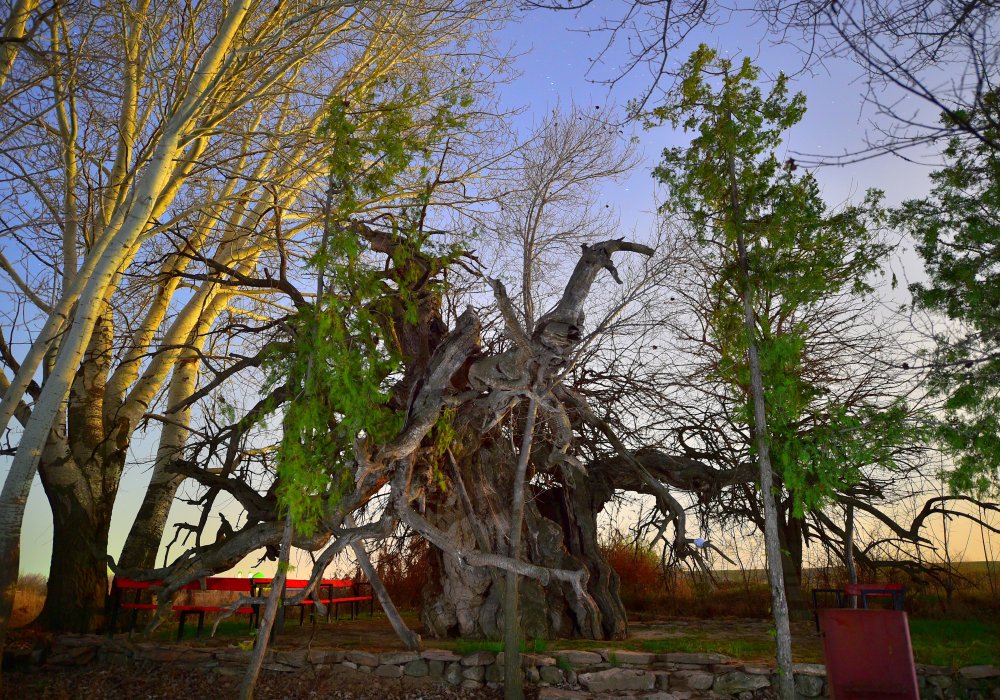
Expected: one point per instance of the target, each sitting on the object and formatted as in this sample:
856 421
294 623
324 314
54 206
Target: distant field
974 590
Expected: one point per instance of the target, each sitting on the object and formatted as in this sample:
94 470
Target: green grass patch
955 643
737 648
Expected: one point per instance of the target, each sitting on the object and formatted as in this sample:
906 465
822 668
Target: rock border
561 674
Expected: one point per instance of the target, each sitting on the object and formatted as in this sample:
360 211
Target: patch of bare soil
148 681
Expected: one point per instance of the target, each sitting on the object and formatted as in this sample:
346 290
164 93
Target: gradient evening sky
553 73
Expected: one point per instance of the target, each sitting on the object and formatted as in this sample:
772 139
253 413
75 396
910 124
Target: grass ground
951 643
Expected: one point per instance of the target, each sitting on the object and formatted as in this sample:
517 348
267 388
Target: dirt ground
160 682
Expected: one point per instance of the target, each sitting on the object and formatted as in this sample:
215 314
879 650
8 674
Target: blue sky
553 73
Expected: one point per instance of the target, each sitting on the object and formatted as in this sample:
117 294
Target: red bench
328 590
251 587
120 587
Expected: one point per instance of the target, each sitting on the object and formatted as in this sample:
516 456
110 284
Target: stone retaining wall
561 675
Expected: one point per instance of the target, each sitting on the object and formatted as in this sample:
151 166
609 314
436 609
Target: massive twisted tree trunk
560 522
559 532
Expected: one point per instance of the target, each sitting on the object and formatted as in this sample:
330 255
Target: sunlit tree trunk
13 34
144 537
121 235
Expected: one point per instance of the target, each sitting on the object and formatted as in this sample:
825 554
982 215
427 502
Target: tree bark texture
460 600
513 680
143 541
476 511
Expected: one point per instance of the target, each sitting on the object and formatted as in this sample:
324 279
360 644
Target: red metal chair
868 655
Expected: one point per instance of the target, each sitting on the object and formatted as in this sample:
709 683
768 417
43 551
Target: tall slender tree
778 253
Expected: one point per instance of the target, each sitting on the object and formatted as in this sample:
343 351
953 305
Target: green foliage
728 185
957 230
373 145
443 435
344 350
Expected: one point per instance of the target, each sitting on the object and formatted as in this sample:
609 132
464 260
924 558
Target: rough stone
579 658
617 679
809 670
236 656
531 674
389 671
692 680
362 658
623 657
272 666
453 673
416 668
436 668
550 674
440 655
979 672
495 673
296 658
468 683
737 682
534 660
928 670
662 680
479 658
681 657
474 673
319 656
940 681
348 666
397 657
808 686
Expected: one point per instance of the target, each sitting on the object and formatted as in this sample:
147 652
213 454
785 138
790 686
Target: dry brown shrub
28 599
405 569
644 586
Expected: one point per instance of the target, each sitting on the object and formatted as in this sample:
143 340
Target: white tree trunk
13 34
120 248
